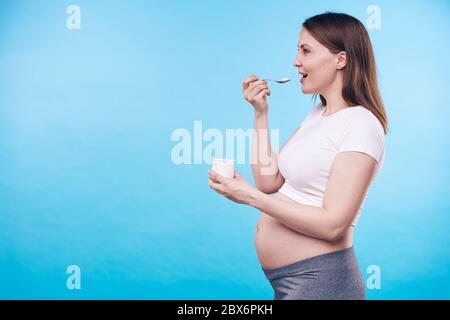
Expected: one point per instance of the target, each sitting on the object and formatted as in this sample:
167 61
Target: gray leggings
329 276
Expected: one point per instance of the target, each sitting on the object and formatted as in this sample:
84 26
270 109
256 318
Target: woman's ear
341 60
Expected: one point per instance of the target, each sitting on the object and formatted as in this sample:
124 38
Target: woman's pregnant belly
277 245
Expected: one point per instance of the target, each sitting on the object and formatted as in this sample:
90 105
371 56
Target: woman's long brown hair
342 32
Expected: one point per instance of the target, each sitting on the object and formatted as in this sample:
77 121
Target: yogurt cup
224 167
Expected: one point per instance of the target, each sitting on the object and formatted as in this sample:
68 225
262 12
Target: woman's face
317 62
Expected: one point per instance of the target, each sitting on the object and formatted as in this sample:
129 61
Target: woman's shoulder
363 119
364 115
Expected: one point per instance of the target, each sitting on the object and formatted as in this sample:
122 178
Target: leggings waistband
343 258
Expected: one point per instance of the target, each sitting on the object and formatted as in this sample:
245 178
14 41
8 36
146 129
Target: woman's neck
333 97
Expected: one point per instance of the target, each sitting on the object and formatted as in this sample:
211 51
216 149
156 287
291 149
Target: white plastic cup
224 167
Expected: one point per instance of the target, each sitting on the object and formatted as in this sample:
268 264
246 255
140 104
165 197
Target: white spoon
284 80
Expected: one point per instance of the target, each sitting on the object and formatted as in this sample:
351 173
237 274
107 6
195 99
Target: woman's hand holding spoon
255 91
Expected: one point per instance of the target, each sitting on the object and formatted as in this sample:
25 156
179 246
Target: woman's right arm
264 162
265 166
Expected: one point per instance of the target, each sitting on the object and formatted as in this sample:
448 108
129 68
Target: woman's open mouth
303 78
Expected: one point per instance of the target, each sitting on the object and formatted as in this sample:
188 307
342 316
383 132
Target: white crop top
305 160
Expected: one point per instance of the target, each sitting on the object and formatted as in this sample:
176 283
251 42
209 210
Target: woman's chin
305 90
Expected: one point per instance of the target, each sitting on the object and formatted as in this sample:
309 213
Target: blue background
86 118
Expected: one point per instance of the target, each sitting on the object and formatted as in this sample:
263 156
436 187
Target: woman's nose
297 62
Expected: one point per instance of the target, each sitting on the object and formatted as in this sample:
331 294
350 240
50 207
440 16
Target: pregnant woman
311 192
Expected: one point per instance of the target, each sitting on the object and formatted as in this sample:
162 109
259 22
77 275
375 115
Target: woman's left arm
349 180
